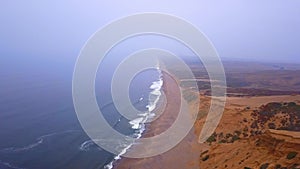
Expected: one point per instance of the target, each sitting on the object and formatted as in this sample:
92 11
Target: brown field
259 129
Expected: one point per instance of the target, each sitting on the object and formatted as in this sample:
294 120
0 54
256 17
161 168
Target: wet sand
184 155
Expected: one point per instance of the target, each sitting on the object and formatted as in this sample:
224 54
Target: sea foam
138 124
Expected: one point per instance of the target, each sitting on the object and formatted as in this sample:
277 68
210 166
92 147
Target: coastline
182 155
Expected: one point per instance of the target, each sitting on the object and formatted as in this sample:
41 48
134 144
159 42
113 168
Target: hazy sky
56 30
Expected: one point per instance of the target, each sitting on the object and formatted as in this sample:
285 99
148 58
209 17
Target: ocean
39 127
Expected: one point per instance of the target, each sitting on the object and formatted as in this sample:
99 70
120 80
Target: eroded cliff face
273 149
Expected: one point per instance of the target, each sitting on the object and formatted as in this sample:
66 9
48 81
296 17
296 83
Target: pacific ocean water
39 127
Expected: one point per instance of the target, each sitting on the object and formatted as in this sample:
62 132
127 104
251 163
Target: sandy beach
184 155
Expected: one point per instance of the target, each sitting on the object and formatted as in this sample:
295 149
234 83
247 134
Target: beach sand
184 155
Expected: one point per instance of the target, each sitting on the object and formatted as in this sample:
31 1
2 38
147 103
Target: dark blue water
38 125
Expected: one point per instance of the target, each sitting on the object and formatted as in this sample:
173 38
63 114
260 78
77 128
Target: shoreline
173 158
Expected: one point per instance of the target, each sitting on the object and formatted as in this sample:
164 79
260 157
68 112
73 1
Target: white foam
157 84
136 122
153 100
156 92
143 114
139 123
151 107
18 149
118 157
85 146
39 141
109 165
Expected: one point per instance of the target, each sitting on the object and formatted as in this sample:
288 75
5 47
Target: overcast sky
254 29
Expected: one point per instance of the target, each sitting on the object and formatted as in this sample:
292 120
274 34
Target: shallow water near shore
41 129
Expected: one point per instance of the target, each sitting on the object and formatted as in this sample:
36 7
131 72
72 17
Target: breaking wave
87 145
38 142
138 124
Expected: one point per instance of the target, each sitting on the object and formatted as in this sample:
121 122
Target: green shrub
278 166
291 155
235 137
272 126
222 141
264 166
237 132
211 139
228 135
